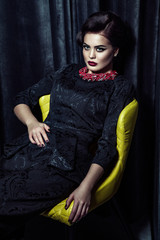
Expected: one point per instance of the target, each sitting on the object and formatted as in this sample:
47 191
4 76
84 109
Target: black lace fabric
81 113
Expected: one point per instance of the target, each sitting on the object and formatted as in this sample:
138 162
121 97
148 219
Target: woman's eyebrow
101 46
96 45
85 44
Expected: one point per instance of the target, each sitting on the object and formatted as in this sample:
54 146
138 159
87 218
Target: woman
54 160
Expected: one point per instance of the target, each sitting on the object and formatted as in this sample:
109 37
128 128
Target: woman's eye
100 49
86 47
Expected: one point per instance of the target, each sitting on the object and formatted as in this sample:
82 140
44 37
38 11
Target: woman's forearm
24 114
94 174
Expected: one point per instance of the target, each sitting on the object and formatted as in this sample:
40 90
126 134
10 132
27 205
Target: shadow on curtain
36 36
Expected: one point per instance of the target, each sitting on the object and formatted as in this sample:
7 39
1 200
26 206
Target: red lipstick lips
92 63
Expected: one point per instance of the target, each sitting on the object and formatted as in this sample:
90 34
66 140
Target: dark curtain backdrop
140 192
36 36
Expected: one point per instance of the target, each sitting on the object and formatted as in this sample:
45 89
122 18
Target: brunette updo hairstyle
110 26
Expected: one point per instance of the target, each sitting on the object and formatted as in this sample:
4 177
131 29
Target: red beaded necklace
96 76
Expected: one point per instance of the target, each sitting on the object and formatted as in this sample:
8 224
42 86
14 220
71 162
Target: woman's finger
36 139
44 135
87 210
78 212
73 212
46 127
83 212
40 139
32 139
68 201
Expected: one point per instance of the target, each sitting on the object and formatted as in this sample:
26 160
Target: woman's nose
92 54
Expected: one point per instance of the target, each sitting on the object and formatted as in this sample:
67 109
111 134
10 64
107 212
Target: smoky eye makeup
85 46
100 49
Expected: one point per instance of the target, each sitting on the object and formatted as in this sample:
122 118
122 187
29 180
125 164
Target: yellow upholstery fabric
109 186
44 103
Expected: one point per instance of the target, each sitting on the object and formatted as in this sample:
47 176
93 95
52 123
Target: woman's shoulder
122 81
123 84
68 68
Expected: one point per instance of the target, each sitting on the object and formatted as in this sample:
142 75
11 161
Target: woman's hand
36 130
82 194
37 133
82 198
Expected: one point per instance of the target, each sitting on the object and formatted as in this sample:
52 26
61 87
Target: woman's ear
116 51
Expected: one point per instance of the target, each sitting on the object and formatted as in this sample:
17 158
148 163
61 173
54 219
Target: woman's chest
87 99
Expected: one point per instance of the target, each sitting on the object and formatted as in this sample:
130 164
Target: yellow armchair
109 186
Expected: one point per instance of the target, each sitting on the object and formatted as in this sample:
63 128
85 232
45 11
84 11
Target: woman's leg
29 192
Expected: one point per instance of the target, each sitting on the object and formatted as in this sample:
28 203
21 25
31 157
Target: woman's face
98 53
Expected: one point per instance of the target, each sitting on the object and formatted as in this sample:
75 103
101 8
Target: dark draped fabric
141 192
36 36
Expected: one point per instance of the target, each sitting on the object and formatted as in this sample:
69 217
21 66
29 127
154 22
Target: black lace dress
32 178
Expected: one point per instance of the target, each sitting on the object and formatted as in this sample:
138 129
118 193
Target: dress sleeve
31 95
106 150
